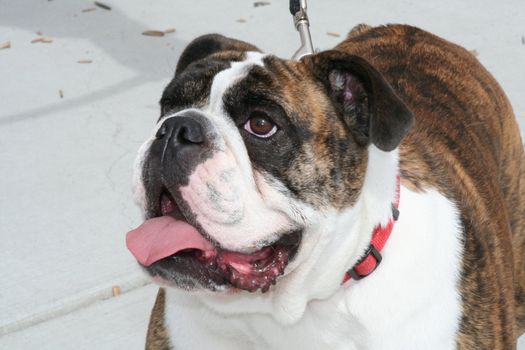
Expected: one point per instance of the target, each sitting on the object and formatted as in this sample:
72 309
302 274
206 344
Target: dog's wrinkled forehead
191 88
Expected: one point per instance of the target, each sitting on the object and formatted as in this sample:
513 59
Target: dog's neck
372 257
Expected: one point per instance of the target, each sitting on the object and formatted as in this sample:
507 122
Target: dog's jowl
367 197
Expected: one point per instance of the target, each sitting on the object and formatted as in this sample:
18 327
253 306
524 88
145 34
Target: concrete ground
76 105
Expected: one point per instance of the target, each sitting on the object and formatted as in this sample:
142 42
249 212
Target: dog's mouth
171 248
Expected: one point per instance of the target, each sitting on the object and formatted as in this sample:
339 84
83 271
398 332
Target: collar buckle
371 251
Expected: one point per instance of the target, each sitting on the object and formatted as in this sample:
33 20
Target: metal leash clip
300 19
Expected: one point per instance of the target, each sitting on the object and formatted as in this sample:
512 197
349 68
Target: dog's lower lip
250 272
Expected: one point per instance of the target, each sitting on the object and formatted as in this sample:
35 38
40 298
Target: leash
301 23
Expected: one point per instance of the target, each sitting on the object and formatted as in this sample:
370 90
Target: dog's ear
209 44
367 103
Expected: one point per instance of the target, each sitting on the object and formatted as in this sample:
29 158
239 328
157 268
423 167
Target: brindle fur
465 143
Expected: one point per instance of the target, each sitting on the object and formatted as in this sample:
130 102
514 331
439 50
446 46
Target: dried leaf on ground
84 61
42 40
169 30
116 291
90 9
261 3
153 33
5 45
103 6
335 35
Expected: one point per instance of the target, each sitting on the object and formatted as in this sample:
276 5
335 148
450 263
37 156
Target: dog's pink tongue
161 237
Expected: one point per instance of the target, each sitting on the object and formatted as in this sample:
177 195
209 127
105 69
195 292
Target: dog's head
255 172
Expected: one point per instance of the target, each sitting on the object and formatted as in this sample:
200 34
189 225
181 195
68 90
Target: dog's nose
180 131
181 142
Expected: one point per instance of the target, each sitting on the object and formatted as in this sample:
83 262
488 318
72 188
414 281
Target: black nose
180 131
181 143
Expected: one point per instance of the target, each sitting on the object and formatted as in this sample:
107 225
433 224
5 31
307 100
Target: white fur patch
230 136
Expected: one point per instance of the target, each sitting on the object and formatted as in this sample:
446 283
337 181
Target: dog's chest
410 302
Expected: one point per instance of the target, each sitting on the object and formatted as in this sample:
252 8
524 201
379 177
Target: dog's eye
260 125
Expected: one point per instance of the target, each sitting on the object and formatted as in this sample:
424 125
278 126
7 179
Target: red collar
372 256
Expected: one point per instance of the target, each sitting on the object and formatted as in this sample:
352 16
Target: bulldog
367 197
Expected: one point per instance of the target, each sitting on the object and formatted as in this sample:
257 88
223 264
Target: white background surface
65 163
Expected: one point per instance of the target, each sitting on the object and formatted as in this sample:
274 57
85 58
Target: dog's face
253 161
